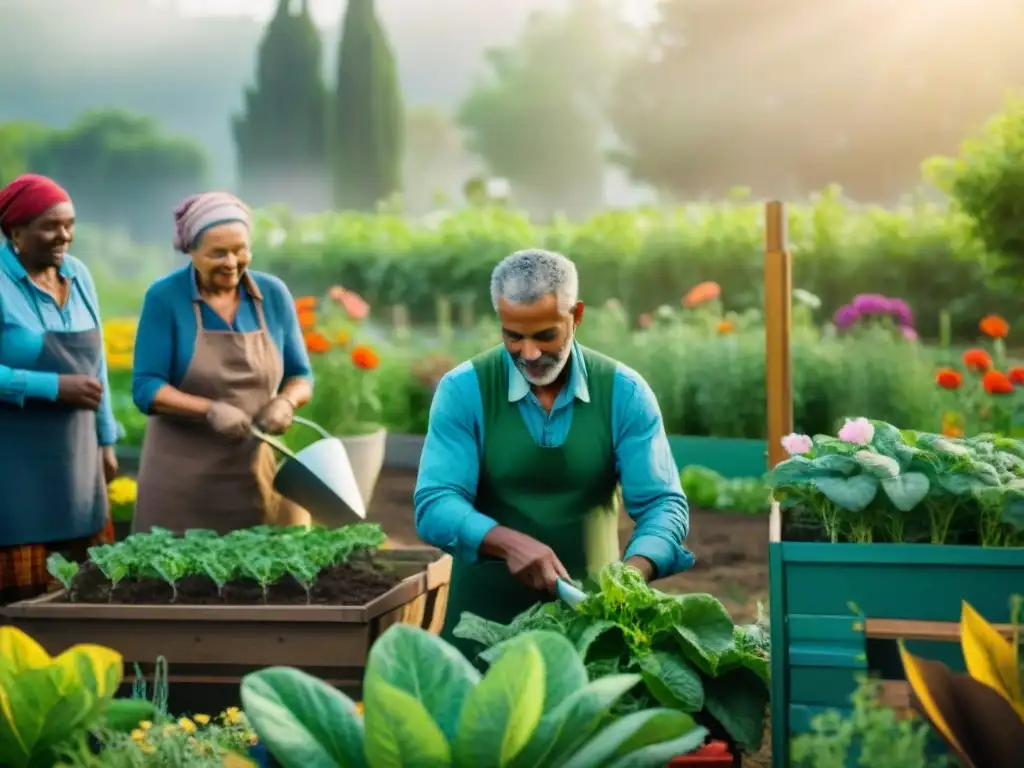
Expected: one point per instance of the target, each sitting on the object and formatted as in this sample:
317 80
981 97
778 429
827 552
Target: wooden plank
906 629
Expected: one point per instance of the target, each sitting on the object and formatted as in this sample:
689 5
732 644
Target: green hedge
645 258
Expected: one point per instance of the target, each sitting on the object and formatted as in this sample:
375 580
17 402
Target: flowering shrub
874 308
345 399
876 483
982 397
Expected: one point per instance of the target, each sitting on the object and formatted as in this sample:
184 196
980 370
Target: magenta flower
871 304
846 317
908 333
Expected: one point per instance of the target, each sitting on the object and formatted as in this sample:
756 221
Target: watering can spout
319 478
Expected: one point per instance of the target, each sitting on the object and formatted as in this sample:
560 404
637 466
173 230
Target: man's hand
642 564
531 562
79 391
109 463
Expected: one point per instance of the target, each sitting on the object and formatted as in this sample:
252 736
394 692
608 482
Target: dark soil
354 583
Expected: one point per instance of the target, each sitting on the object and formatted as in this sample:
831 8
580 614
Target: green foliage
17 141
872 735
906 486
685 648
706 489
282 137
369 127
649 257
426 707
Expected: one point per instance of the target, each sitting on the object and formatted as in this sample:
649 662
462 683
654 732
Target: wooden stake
778 322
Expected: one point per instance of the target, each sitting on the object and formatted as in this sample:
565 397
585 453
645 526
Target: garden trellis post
778 302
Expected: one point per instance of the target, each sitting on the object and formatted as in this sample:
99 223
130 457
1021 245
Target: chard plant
112 563
63 570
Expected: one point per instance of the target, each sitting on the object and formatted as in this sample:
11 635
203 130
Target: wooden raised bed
221 643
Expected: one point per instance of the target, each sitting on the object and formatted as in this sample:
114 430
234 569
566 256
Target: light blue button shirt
450 465
28 312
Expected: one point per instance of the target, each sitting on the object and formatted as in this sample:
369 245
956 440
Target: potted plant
425 704
885 531
345 401
122 493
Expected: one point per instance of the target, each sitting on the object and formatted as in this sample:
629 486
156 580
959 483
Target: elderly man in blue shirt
527 446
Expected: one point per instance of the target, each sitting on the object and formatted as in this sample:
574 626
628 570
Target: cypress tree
368 125
282 137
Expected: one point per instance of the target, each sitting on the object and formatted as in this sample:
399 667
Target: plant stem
940 521
830 518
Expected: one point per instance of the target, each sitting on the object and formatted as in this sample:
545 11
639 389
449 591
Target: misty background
573 102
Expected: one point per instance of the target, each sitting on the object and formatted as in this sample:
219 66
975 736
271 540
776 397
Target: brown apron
192 477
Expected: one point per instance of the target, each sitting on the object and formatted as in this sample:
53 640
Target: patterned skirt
23 573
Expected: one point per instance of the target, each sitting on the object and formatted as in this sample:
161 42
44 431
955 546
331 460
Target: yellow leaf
19 652
990 657
107 666
917 683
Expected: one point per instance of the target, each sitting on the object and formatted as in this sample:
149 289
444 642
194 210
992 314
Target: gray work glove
229 421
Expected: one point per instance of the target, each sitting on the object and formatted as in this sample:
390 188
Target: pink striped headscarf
198 213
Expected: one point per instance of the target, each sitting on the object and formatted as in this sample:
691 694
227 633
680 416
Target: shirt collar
245 286
14 269
519 387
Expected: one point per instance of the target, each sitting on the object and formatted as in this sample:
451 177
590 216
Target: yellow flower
145 725
187 725
343 338
138 734
169 729
119 361
252 738
359 707
122 490
201 719
146 747
232 715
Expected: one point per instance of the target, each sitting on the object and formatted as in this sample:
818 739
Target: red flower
305 303
1016 374
978 360
307 319
994 327
947 378
317 343
701 294
996 383
365 358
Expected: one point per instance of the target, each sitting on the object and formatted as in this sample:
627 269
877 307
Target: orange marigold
725 327
316 342
978 360
365 358
702 293
947 378
1016 374
952 430
994 327
306 303
997 383
307 319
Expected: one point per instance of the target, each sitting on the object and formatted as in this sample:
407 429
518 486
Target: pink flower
796 444
858 431
908 333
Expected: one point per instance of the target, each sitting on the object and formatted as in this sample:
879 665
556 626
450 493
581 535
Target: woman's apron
192 477
52 487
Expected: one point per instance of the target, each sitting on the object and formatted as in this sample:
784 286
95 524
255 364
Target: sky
328 12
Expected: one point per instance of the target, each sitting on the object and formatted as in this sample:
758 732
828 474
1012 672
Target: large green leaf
834 463
564 672
704 629
851 493
304 722
563 730
738 701
123 715
877 464
672 681
906 491
663 753
427 668
400 733
501 713
632 733
591 632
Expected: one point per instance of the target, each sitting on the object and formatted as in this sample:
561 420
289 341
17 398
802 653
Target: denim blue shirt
166 336
450 465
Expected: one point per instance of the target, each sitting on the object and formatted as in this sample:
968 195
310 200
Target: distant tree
282 137
368 128
17 140
122 170
536 118
437 162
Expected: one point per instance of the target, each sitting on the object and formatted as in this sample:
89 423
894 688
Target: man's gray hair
527 276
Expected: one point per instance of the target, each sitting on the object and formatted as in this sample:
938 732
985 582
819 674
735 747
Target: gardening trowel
569 594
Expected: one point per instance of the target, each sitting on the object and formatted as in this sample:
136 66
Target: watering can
318 478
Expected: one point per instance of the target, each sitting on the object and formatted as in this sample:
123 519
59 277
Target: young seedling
62 570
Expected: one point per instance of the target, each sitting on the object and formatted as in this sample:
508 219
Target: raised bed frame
838 610
221 643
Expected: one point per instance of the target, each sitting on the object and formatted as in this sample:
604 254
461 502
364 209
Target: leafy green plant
425 705
265 553
707 489
687 651
871 735
883 484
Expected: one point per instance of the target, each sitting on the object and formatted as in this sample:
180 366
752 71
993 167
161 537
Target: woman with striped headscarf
218 349
57 427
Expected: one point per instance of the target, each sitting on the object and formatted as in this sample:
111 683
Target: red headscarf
27 197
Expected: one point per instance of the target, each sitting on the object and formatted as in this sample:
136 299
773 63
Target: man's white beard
555 371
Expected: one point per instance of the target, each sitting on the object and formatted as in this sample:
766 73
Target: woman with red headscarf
57 427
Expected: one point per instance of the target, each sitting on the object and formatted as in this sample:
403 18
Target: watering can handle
312 425
275 442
